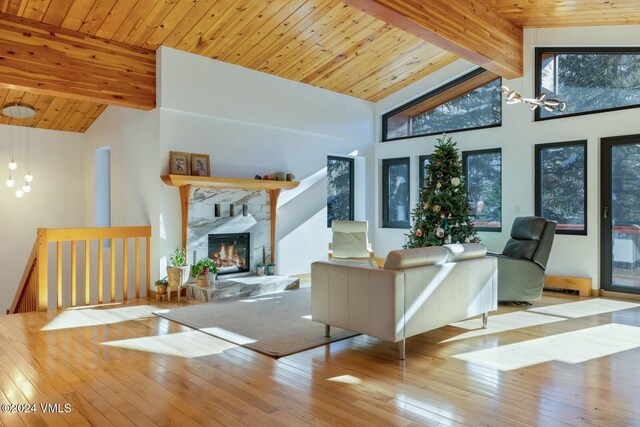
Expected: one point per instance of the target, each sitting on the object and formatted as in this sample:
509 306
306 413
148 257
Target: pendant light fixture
18 111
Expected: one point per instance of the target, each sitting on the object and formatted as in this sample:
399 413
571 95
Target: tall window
483 172
395 193
589 80
472 101
561 185
339 189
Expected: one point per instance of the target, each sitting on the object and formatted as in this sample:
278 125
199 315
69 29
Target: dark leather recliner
522 264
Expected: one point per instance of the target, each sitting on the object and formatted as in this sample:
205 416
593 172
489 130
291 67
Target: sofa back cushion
463 251
416 257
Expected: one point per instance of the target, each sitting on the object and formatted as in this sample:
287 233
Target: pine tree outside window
483 173
473 101
339 189
395 193
561 185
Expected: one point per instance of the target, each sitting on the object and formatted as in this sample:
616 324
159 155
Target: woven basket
177 276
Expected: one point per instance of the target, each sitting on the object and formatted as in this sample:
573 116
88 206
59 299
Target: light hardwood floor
119 365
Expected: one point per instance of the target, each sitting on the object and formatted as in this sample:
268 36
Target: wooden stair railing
33 291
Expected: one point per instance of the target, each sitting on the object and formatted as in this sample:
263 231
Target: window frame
386 163
421 175
465 155
351 162
538 181
539 51
440 89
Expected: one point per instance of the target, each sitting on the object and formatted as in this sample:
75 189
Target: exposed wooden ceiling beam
467 28
40 58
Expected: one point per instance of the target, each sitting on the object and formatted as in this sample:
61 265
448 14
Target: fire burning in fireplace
230 252
228 257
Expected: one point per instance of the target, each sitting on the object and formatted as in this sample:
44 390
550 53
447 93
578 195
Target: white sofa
416 290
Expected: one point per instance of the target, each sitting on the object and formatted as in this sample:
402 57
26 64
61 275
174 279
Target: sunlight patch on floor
570 347
347 379
79 318
585 308
502 323
182 344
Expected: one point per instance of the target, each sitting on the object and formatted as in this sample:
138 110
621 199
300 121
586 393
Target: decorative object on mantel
179 163
178 271
276 176
201 271
19 111
200 165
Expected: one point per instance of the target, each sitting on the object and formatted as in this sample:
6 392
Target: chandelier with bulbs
541 101
18 111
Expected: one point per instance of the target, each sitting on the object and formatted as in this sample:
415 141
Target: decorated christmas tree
442 213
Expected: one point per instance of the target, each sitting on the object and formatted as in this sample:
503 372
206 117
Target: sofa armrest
367 300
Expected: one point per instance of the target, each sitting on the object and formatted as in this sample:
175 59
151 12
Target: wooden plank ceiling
325 43
568 13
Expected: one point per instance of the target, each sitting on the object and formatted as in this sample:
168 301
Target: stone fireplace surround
239 211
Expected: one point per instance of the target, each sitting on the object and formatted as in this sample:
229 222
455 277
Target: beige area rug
274 324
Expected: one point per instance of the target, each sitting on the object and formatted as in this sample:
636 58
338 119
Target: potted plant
161 286
178 271
271 269
259 269
201 271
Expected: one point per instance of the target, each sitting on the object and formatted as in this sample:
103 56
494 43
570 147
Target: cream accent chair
350 243
417 290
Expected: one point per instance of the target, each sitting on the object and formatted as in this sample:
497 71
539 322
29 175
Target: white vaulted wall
571 255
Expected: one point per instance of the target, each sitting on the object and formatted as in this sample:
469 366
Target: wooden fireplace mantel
185 184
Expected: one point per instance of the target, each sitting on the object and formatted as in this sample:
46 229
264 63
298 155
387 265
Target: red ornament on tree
419 232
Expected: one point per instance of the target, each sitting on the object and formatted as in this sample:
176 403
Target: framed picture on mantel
179 163
200 165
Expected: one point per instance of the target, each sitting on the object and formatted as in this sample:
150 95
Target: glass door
620 213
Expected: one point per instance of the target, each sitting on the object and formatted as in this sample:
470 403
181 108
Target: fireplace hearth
230 252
